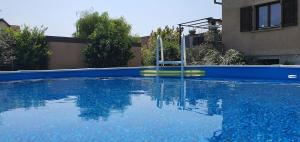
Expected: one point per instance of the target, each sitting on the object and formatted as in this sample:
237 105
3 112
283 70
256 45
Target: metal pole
180 33
182 47
162 58
157 52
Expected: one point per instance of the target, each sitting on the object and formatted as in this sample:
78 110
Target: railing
160 55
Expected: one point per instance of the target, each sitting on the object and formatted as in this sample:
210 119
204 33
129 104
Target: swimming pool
120 108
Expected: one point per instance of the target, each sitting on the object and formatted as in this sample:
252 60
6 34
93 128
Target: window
268 15
275 15
263 17
246 19
289 13
282 13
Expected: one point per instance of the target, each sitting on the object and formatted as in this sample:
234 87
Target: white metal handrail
160 58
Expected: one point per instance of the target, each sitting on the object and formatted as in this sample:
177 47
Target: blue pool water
148 110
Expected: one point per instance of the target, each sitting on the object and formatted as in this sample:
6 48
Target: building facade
265 29
4 25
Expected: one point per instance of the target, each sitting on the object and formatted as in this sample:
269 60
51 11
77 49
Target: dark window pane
246 19
275 15
289 13
263 17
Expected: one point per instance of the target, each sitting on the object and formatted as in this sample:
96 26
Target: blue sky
144 15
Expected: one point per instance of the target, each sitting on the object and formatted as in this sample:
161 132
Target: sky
144 16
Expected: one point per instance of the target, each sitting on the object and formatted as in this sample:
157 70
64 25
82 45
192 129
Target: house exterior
265 29
4 25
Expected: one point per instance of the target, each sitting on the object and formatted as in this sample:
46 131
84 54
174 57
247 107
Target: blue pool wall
218 72
253 72
48 74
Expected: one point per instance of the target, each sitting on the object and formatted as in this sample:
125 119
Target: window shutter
289 13
246 19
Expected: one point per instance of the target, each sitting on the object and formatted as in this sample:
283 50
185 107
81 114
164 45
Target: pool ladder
160 58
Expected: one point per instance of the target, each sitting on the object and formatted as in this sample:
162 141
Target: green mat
172 73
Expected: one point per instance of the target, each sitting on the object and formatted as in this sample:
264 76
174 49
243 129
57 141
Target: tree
7 48
23 50
170 37
32 51
109 39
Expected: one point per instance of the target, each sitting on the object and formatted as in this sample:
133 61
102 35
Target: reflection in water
27 94
250 111
100 98
188 96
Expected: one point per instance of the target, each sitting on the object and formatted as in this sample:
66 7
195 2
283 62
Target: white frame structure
160 58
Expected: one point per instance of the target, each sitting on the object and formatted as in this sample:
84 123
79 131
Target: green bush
211 52
233 57
208 53
110 40
170 38
7 48
24 50
32 51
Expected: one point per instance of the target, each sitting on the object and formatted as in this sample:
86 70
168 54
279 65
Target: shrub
7 48
32 50
148 56
110 40
212 57
24 50
233 57
211 52
170 38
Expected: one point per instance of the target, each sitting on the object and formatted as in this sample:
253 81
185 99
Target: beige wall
137 60
3 25
66 55
283 43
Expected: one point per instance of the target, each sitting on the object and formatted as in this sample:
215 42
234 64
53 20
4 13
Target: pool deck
274 72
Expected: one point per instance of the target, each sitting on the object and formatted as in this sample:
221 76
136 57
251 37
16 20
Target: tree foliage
208 53
211 52
24 50
233 57
109 38
32 51
7 48
170 37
